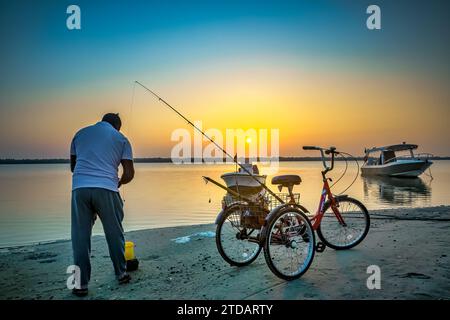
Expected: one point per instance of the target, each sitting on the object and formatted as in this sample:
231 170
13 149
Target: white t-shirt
99 149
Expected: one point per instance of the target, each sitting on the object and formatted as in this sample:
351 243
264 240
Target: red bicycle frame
326 191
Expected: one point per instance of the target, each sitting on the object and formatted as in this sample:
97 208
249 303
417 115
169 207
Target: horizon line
183 160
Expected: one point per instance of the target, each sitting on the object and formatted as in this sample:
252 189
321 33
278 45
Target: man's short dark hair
113 119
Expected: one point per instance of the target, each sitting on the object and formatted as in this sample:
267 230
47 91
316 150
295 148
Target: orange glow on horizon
346 109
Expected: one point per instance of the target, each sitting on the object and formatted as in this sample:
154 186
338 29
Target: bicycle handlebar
324 151
310 148
327 151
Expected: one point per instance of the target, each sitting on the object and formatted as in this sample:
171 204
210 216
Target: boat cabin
388 154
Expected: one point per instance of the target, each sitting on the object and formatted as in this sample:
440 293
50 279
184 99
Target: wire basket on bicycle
253 215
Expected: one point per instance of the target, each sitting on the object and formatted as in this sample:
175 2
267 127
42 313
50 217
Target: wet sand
413 256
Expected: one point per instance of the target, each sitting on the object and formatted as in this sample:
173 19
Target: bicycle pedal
320 247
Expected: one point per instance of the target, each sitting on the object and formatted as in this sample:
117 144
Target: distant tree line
168 160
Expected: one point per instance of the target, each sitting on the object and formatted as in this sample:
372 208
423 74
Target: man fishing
95 155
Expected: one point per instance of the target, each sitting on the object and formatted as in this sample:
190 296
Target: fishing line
379 216
343 173
131 109
129 127
357 172
210 139
235 177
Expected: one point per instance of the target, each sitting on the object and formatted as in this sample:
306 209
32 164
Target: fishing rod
207 137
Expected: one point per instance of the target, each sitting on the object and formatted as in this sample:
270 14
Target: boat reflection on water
396 191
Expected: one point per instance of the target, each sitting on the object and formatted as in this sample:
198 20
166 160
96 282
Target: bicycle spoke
344 235
237 249
290 254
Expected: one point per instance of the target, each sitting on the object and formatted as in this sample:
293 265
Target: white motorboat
244 183
383 161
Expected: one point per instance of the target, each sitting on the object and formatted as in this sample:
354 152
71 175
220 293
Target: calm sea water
35 199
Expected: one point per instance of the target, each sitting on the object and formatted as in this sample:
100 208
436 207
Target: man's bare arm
128 172
73 161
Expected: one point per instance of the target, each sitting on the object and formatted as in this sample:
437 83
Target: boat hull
243 183
404 168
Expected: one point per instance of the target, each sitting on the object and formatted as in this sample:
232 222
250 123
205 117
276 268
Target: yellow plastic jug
129 250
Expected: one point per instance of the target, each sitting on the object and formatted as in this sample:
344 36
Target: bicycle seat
286 180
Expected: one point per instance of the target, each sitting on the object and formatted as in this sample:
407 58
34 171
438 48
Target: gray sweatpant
108 205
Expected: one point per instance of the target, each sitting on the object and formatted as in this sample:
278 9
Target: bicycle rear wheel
290 243
236 244
341 237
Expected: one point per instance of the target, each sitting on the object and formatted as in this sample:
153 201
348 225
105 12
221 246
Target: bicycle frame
326 194
326 191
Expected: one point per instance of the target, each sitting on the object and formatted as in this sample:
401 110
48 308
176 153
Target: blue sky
39 50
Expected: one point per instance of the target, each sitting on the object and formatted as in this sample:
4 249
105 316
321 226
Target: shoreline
411 251
44 242
224 161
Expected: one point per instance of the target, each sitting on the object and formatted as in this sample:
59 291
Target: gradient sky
310 68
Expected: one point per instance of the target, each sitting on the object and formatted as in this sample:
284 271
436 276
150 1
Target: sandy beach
411 251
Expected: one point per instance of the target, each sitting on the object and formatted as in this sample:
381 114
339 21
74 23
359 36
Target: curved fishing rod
207 137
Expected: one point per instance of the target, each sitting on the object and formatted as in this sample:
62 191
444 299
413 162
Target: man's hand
128 172
73 162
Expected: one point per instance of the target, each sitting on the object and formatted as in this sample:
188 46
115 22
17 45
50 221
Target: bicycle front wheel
355 228
290 244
